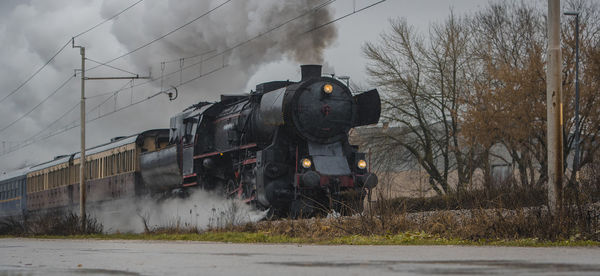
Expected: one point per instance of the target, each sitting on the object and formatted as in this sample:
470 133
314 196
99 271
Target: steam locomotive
283 147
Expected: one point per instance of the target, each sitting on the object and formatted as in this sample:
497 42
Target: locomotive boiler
283 147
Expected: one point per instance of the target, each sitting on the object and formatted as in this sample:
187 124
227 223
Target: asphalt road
91 257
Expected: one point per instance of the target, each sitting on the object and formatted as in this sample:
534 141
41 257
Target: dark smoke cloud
228 26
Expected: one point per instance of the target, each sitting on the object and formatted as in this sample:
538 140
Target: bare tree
422 85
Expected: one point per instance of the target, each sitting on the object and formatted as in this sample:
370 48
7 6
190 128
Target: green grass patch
406 238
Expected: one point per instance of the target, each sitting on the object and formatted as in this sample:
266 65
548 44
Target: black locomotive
283 147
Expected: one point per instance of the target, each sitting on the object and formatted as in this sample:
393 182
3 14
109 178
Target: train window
131 162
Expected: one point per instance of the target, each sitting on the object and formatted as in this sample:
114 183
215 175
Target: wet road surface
92 257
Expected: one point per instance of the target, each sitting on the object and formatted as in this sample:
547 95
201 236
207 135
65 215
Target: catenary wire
39 104
68 111
35 73
59 51
113 67
29 142
162 36
193 79
108 19
240 44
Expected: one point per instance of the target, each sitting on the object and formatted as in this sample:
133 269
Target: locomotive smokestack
310 71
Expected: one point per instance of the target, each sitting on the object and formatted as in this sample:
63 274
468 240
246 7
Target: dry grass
491 219
59 224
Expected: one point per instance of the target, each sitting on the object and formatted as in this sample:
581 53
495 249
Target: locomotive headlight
361 164
306 163
328 88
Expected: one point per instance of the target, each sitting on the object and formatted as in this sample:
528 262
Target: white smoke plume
201 210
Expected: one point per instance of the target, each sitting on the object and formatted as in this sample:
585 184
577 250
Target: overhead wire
59 51
189 57
68 111
54 122
35 73
105 63
112 67
68 127
38 105
202 75
108 19
240 44
344 16
162 36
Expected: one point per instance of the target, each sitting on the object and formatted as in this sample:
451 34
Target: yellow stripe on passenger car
12 199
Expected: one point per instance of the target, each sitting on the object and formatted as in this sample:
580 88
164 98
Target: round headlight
327 88
306 163
361 164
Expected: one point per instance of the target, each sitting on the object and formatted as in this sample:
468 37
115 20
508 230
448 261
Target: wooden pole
554 108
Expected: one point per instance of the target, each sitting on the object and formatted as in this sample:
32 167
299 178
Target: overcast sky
32 31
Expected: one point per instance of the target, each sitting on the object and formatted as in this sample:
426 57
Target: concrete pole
82 187
554 108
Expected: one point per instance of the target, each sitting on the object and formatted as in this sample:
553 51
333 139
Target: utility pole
554 107
82 186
